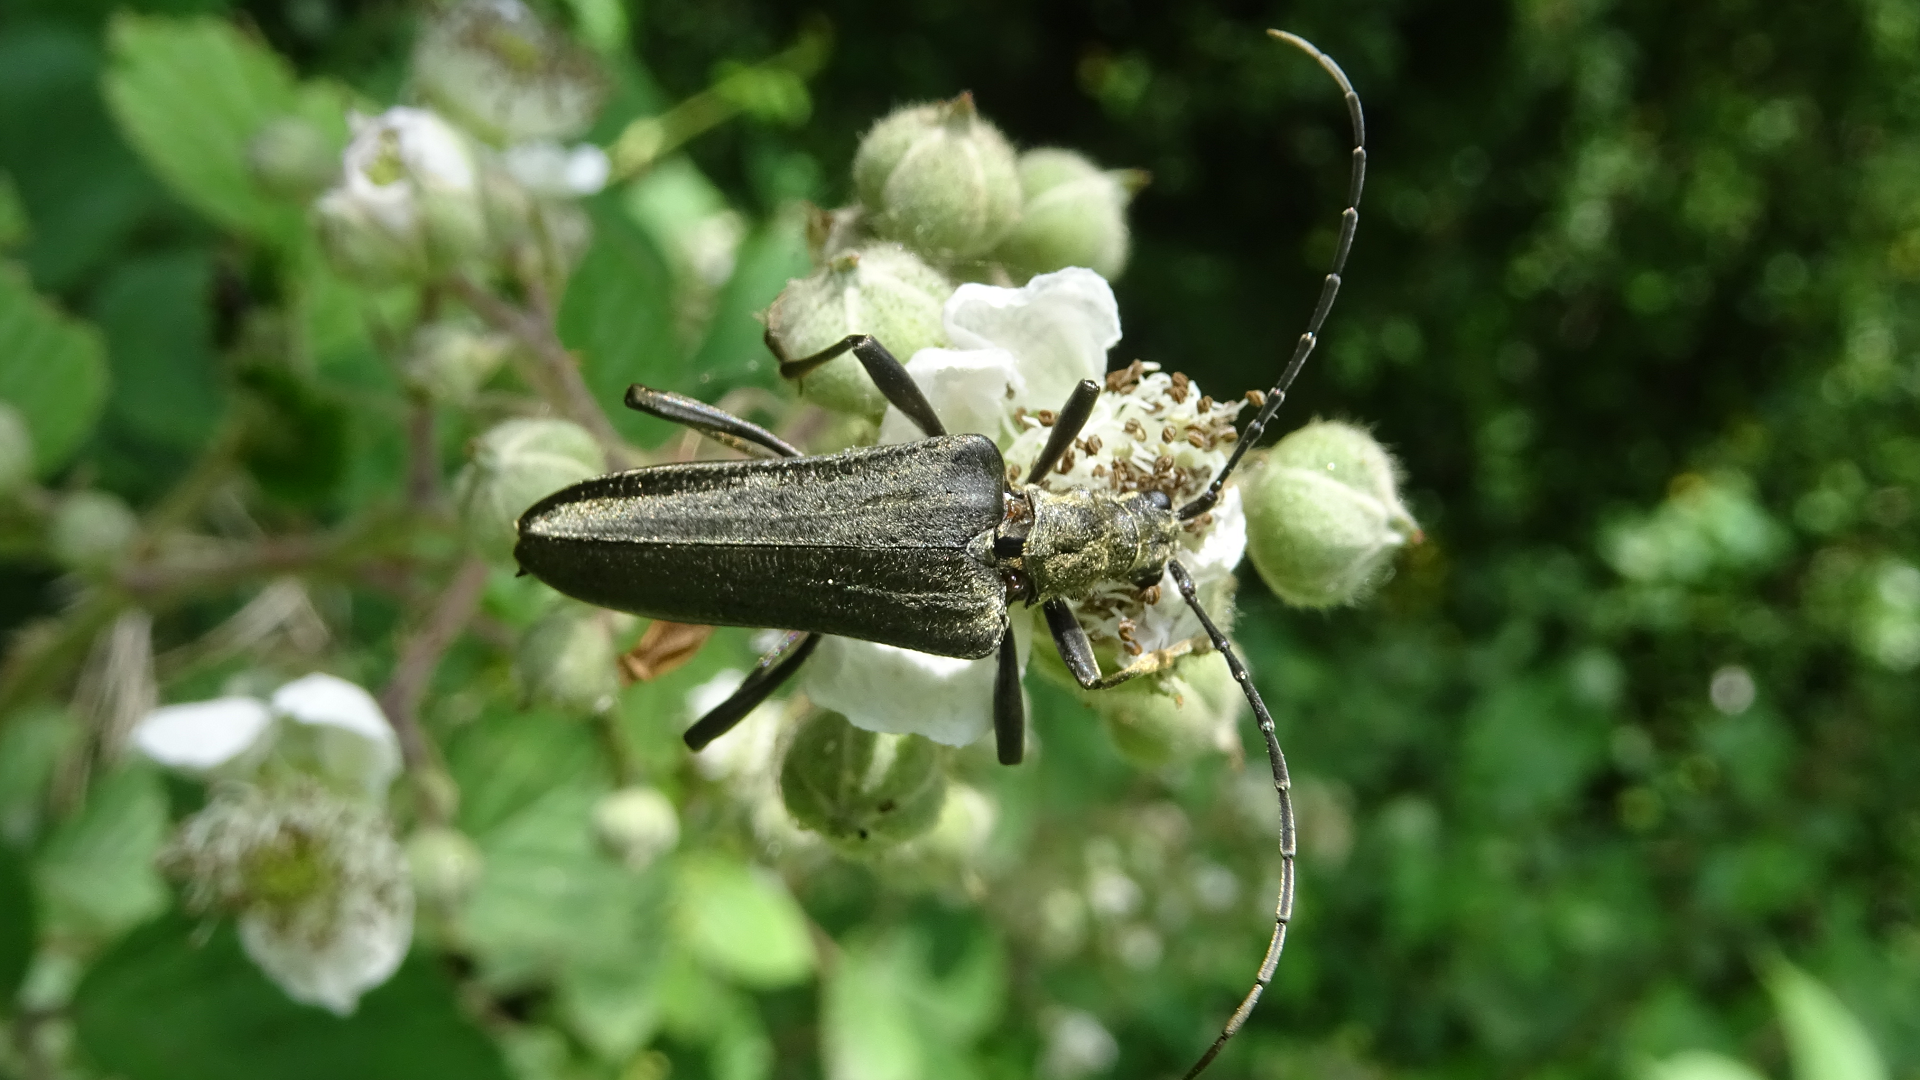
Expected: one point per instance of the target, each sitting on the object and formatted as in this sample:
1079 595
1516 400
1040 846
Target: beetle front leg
1071 639
773 669
1009 712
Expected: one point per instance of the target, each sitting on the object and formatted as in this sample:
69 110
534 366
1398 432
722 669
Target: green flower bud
445 864
881 289
567 660
495 69
16 451
1173 717
449 362
939 179
292 158
1324 515
636 825
1075 215
91 530
516 464
859 789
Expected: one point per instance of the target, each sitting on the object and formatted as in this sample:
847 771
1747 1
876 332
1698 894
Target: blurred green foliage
1631 300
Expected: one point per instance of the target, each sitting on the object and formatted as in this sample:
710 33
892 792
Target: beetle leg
716 424
1073 417
1071 638
887 373
1157 660
773 669
1009 712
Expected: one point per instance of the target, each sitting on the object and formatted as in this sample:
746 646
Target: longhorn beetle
921 545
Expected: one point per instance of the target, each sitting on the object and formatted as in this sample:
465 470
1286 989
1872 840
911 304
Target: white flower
553 171
1018 352
501 73
408 198
1013 348
318 726
321 889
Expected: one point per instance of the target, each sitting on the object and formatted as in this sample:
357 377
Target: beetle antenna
1349 221
1283 788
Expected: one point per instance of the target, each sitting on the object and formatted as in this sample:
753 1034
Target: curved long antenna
1349 221
1283 789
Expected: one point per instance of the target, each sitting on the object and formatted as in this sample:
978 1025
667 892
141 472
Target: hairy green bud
880 289
292 158
515 464
1324 516
568 660
1075 214
939 179
636 825
91 530
1172 717
16 451
449 362
859 789
445 865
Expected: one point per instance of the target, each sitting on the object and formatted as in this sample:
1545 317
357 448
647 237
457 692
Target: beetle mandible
921 545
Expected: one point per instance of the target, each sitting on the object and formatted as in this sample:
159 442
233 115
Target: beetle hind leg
773 669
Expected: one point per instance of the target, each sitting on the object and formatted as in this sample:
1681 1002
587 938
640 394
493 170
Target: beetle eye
1159 500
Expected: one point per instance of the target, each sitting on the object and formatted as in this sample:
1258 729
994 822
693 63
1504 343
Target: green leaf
96 876
1824 1039
741 921
52 368
30 744
618 316
162 1006
549 902
155 313
867 1031
14 227
1700 1065
509 758
190 94
735 352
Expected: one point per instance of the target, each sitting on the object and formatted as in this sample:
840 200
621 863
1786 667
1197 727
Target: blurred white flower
319 726
556 172
500 72
320 887
1018 353
408 199
1078 1045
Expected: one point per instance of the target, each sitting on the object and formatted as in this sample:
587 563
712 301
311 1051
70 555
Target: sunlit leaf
1825 1040
741 921
1700 1065
95 876
52 368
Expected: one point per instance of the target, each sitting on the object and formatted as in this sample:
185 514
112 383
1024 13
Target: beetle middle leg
886 371
716 424
1009 712
775 668
1077 650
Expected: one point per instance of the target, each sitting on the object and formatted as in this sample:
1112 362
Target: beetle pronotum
921 545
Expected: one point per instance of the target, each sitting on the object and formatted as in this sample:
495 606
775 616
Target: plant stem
555 373
419 657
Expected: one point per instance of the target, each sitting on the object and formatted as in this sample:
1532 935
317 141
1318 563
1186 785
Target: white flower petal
204 735
1224 544
367 939
883 688
354 743
549 169
969 389
587 169
1059 326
